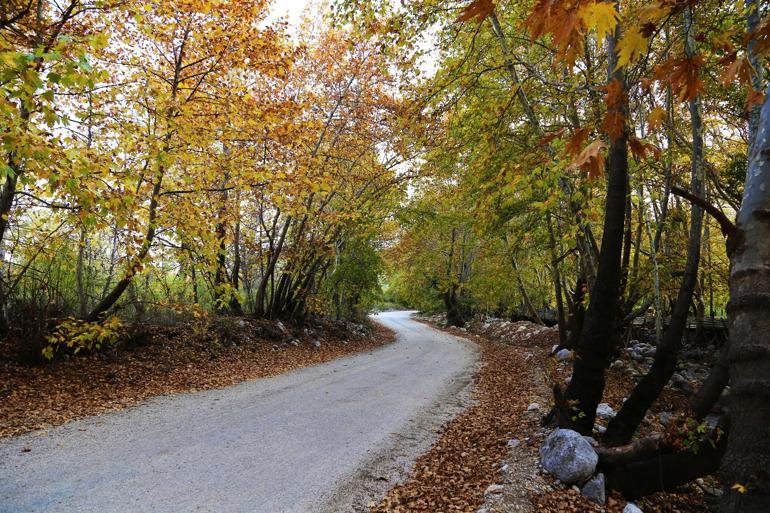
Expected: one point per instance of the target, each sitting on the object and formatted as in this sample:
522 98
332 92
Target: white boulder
568 456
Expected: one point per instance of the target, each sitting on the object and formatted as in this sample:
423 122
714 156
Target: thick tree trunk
621 428
747 461
453 315
666 471
593 348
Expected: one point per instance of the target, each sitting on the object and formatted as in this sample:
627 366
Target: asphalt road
332 437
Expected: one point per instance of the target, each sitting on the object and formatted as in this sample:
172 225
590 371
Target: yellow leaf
656 118
739 488
600 16
630 47
653 13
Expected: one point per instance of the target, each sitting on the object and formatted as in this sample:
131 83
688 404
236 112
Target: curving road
329 438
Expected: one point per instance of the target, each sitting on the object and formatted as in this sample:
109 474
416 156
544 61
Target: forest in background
574 161
171 157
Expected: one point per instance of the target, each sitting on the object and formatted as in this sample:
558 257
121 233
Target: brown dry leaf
576 141
477 9
591 159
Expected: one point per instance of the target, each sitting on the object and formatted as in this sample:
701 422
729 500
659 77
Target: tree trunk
453 315
752 21
110 299
593 348
711 389
79 271
267 277
235 279
621 428
525 295
667 470
577 313
556 276
747 461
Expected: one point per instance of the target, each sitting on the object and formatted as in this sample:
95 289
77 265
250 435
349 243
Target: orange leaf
577 140
615 119
546 139
616 94
754 98
613 124
591 160
565 23
478 9
641 149
637 147
740 68
683 76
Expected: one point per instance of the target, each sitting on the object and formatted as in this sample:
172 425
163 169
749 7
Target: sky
292 9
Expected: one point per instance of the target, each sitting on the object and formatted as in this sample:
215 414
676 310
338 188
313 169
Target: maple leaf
600 16
754 98
616 94
656 118
653 12
740 68
761 36
478 9
613 124
683 76
641 149
630 47
577 140
590 160
564 22
546 139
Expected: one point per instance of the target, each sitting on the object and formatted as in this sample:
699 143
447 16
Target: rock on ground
595 489
568 456
605 411
632 508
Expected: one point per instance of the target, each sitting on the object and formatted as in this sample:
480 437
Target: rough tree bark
747 461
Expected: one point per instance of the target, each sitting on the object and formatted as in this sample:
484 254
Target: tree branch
725 224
